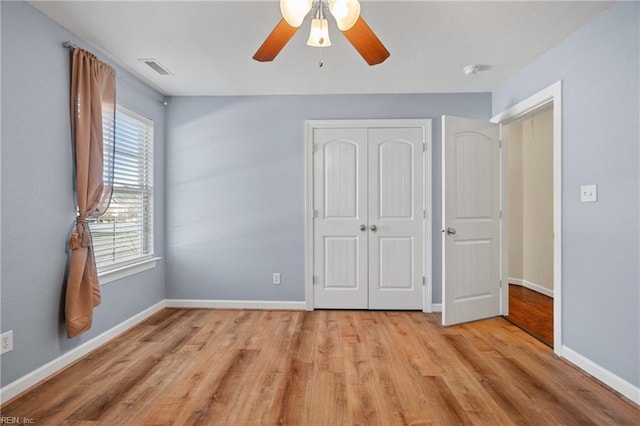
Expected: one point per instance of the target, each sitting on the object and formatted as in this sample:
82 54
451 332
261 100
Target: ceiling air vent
156 66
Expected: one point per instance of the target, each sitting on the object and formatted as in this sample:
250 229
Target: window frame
147 261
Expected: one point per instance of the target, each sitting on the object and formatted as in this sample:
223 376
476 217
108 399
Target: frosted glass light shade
319 34
346 12
294 11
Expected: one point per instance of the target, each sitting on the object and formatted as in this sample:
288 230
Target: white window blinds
124 233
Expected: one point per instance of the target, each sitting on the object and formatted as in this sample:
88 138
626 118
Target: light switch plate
588 193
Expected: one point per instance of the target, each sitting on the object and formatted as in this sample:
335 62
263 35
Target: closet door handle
373 228
363 227
451 231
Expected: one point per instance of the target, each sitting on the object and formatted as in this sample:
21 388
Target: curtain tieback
81 236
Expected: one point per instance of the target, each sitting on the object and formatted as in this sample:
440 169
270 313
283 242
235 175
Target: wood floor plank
290 398
330 355
240 367
364 405
386 365
319 394
268 371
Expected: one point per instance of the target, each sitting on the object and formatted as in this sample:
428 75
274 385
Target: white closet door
340 203
395 218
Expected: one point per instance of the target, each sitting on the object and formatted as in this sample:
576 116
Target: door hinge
424 214
315 280
314 147
314 214
424 147
424 281
500 283
500 214
500 143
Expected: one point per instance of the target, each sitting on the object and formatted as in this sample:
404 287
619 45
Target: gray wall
236 183
38 205
600 69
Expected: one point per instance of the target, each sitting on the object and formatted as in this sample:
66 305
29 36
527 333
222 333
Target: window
123 235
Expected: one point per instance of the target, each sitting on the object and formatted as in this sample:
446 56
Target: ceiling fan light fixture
319 34
348 19
346 12
294 11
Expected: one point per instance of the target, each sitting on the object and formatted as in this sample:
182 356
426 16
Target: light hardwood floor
235 367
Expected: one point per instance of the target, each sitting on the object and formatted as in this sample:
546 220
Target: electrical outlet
276 278
6 342
588 193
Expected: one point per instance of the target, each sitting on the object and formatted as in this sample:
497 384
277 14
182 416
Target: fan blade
280 35
366 42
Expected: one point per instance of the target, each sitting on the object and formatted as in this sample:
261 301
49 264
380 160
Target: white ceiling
208 45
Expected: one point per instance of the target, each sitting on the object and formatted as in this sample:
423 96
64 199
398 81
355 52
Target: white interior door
471 220
368 221
340 223
395 218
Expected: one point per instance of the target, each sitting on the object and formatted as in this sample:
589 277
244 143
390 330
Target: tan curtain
93 96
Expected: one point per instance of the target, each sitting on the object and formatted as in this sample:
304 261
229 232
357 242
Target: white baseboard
605 376
531 286
236 304
25 382
436 307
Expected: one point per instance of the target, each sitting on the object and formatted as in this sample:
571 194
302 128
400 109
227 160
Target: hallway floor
532 312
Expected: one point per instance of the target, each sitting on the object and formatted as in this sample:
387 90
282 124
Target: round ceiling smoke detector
471 69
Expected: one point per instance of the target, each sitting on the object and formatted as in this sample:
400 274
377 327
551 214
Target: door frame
551 95
310 126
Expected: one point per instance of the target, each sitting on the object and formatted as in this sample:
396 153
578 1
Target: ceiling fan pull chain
321 61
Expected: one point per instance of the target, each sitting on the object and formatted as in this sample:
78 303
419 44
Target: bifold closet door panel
395 210
340 204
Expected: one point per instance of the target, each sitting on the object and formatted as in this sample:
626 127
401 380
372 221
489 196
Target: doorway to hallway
530 226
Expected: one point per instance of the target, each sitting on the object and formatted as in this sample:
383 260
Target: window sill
127 270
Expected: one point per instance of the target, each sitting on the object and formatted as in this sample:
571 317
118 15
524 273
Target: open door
471 220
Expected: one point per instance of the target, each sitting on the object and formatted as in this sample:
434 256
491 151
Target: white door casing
366 175
471 220
549 95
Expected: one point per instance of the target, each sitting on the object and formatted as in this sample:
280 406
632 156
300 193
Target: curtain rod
68 45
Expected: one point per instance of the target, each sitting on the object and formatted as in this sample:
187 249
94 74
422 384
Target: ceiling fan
347 16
